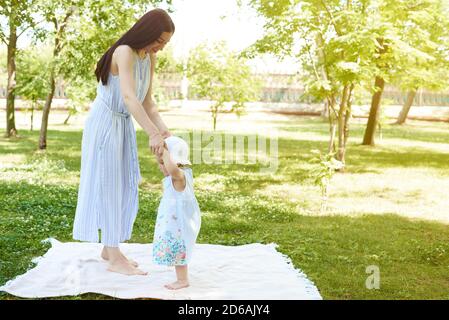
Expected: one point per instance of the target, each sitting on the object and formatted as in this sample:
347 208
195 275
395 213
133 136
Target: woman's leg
112 187
182 278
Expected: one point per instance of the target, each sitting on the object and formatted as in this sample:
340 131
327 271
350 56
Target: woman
108 191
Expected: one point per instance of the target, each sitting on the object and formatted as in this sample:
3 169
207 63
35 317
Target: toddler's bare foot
105 256
123 266
177 285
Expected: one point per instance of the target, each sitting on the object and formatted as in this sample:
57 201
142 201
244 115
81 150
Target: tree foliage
220 75
344 45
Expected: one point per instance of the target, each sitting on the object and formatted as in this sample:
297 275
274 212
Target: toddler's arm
171 167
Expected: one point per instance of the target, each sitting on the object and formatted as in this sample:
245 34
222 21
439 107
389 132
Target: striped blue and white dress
110 174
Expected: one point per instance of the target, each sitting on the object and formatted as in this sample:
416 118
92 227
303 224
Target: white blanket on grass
252 271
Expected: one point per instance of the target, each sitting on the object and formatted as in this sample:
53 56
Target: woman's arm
125 62
150 106
153 113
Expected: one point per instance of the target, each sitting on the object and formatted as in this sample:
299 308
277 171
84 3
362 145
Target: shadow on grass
363 158
293 158
61 145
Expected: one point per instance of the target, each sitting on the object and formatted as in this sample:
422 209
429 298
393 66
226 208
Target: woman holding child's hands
157 144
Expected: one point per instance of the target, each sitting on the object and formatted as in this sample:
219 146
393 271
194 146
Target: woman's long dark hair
145 31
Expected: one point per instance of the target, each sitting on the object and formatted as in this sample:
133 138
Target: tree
412 47
166 66
58 13
382 64
426 28
342 47
33 84
81 31
220 75
79 93
18 16
335 41
166 62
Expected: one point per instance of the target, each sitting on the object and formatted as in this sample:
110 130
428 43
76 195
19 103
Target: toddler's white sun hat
178 149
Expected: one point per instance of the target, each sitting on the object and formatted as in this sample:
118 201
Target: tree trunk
341 123
323 71
332 125
370 130
46 112
66 121
214 110
32 114
11 84
325 110
406 107
348 117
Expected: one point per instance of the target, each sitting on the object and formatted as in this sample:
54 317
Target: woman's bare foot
105 256
177 285
123 266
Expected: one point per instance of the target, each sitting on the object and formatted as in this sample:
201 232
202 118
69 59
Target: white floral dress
178 223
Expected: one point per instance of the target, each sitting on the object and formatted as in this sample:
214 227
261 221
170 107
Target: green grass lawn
371 218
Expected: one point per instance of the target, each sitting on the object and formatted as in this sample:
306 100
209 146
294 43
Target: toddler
178 219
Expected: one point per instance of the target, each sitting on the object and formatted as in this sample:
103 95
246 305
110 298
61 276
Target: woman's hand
159 159
157 144
165 134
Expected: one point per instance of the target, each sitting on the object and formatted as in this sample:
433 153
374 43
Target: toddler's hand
162 168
